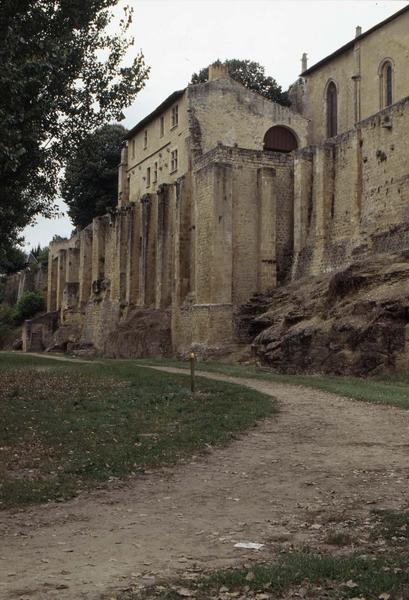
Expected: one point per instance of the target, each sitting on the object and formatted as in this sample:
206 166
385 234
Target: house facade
363 77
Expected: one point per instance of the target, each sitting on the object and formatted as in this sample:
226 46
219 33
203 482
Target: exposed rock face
351 322
146 332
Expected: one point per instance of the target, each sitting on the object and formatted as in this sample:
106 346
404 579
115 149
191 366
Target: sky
179 37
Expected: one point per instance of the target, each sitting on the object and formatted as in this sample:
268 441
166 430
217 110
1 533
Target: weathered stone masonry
191 252
352 194
209 213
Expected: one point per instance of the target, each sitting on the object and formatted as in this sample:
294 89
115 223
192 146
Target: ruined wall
224 111
135 259
243 210
244 220
31 279
190 254
352 194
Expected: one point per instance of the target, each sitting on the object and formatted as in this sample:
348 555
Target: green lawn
392 390
66 427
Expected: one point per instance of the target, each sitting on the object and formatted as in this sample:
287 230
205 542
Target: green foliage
252 75
6 321
27 306
393 526
12 259
90 185
96 421
41 254
62 76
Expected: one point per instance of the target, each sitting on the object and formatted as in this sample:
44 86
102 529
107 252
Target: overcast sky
179 37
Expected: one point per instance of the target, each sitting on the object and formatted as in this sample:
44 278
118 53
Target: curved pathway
324 459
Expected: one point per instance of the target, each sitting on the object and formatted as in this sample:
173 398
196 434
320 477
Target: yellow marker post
192 358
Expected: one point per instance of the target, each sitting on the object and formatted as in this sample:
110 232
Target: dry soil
323 459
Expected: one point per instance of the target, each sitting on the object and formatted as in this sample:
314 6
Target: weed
339 538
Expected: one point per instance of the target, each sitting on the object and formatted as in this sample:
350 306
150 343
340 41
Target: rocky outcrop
145 332
351 322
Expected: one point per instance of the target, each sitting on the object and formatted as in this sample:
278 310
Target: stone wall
193 252
31 279
352 194
156 153
224 111
170 271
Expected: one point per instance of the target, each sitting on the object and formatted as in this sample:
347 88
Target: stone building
223 193
364 76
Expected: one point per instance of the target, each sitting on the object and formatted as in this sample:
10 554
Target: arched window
386 83
280 139
332 108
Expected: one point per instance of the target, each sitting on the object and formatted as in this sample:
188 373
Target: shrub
6 321
29 304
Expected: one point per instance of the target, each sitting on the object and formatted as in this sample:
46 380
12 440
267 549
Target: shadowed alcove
280 139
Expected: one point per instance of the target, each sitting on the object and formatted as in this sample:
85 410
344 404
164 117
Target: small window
155 172
145 139
133 148
148 177
175 115
173 161
162 126
332 109
386 84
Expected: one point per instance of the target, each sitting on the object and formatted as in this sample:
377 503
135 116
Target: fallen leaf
351 584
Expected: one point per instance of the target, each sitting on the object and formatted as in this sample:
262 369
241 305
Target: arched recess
280 139
386 83
331 106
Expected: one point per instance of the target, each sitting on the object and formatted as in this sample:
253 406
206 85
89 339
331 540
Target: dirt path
324 458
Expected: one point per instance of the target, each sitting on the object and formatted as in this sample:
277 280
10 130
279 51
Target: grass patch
392 390
339 538
321 575
392 526
66 427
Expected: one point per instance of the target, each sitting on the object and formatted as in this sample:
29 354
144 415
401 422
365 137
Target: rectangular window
173 161
133 148
155 172
162 126
175 116
148 177
145 139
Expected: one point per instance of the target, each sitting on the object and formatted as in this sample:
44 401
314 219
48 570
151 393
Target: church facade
223 194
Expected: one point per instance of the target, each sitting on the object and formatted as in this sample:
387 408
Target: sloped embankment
351 322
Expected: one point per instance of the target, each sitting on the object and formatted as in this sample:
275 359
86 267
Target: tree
252 75
61 77
13 259
27 306
90 185
41 254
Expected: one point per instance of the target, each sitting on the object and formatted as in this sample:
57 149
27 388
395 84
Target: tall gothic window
332 108
386 84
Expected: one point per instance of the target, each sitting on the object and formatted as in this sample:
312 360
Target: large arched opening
280 139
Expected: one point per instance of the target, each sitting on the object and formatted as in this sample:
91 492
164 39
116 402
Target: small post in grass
192 358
